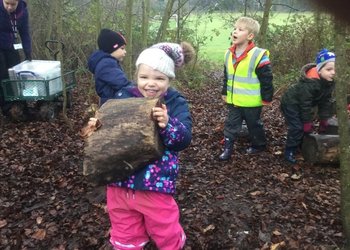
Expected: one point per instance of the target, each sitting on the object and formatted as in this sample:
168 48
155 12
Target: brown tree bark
264 24
146 5
128 27
165 20
127 140
342 115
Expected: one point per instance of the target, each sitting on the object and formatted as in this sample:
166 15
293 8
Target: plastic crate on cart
32 89
38 70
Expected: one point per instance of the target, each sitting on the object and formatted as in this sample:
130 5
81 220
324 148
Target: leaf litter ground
249 202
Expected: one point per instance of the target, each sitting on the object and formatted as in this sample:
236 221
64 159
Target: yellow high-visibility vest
243 86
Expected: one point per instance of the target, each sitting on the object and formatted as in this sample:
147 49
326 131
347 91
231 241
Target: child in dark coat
314 89
142 206
105 64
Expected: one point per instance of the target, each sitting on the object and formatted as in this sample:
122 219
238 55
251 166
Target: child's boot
289 155
228 150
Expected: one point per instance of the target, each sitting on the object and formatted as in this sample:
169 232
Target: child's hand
266 103
160 114
223 97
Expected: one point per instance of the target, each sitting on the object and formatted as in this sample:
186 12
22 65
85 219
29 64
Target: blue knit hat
323 57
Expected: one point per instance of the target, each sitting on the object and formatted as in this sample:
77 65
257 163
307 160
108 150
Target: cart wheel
69 100
47 111
18 111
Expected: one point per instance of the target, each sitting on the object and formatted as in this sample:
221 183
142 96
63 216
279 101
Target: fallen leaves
40 234
250 202
3 223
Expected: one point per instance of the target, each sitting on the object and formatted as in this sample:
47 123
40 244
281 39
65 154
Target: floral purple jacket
161 175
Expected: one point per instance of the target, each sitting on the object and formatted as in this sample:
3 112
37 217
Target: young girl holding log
314 89
142 206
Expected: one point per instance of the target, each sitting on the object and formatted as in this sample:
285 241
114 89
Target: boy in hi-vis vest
246 88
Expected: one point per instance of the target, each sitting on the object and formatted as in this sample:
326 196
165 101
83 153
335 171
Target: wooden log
321 149
127 140
332 128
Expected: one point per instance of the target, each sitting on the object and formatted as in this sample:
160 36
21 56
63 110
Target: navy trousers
233 124
294 123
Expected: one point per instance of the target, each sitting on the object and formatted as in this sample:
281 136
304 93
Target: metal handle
54 52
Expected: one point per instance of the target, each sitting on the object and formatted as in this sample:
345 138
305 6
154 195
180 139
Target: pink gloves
323 126
308 127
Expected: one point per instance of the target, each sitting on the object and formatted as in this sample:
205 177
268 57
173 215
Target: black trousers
8 59
295 125
233 124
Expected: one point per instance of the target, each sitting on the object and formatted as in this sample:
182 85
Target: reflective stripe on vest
243 86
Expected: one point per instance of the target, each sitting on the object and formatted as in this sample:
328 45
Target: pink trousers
136 216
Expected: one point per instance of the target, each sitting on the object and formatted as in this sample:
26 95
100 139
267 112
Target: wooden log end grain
321 149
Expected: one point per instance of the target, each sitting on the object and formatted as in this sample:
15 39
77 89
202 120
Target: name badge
17 46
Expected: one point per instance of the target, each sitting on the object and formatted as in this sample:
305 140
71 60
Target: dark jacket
263 72
109 76
20 17
310 91
161 174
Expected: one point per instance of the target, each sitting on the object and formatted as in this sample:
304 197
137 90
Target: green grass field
212 31
219 31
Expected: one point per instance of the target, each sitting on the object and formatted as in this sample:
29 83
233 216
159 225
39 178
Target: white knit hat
157 59
163 57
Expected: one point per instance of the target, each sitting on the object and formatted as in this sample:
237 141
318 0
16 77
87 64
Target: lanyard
14 25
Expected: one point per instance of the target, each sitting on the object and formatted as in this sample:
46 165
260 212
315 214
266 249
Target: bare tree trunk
59 24
98 26
245 7
165 20
318 23
98 16
50 25
128 27
264 25
344 144
146 5
178 23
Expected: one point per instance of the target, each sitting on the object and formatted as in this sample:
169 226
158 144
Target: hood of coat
309 73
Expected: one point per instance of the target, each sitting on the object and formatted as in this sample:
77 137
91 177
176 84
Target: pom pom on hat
166 57
174 51
109 41
323 57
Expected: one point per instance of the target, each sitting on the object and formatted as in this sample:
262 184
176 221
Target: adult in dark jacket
105 64
314 89
14 24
